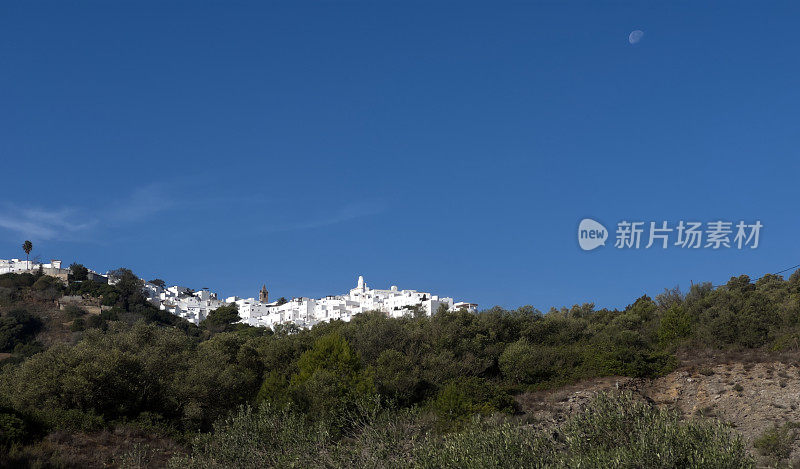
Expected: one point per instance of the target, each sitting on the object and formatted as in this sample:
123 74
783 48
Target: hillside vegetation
375 392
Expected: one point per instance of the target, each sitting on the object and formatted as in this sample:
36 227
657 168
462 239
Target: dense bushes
330 384
462 398
626 432
221 317
15 428
523 362
17 281
739 314
125 372
268 437
17 328
330 381
613 431
346 381
15 287
459 363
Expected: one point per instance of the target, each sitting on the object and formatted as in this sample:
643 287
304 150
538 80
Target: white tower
361 282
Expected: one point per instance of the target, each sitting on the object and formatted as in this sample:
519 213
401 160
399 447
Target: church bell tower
263 295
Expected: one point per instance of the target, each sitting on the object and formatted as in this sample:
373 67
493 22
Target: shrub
398 378
465 397
78 324
776 442
107 375
14 428
221 376
74 311
17 281
96 322
78 272
274 390
221 317
267 437
676 323
523 362
110 314
110 298
47 287
331 382
613 431
17 327
27 349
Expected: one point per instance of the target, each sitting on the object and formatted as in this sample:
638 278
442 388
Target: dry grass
693 358
122 447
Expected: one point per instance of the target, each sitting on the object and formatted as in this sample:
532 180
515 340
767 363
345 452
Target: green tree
221 317
223 373
675 324
331 382
107 375
47 288
129 288
464 397
274 390
398 378
159 283
526 363
27 246
78 324
13 428
78 272
17 327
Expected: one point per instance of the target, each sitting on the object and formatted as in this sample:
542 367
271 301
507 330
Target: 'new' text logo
591 234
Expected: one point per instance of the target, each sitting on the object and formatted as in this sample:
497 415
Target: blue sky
441 146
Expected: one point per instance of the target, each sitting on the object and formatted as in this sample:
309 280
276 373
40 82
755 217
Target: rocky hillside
759 396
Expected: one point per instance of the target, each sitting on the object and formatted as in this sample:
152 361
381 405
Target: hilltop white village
194 306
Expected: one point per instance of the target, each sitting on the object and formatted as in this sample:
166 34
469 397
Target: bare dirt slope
753 397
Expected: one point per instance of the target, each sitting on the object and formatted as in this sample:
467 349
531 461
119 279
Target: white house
305 312
53 269
195 306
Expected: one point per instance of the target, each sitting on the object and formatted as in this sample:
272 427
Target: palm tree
27 246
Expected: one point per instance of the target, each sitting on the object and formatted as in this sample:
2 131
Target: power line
759 278
784 270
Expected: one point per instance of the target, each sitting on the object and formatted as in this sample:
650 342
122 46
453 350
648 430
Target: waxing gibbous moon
635 36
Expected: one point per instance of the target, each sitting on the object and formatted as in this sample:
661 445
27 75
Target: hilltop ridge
300 312
91 359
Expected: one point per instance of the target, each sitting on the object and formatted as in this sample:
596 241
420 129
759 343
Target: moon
635 36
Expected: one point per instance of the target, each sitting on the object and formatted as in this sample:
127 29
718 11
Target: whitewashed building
306 312
302 312
53 268
8 266
193 306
